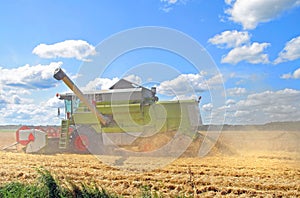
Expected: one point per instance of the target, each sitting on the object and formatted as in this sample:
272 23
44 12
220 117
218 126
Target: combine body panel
136 117
119 116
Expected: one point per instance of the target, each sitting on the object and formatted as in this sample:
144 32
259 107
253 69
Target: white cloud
29 77
134 79
207 107
250 53
215 80
18 91
16 99
19 88
29 114
267 106
19 110
54 102
188 85
9 97
106 83
185 97
167 5
251 13
241 114
294 75
78 49
100 84
182 85
243 49
230 39
230 102
169 1
228 2
237 91
290 52
15 108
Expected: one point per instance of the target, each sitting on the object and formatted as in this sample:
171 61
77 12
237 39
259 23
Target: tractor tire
86 140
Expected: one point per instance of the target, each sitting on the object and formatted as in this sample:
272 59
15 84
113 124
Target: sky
253 48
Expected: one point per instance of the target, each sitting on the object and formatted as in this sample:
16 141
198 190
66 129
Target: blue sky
255 45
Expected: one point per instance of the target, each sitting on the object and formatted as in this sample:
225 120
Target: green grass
47 187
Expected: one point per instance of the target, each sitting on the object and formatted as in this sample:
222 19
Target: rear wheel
86 140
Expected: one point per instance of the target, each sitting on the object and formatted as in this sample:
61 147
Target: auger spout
59 74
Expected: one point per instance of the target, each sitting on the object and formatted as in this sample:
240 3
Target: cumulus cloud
16 99
236 91
18 87
29 114
134 79
183 84
167 5
228 2
169 1
29 77
185 97
78 49
215 80
290 52
54 102
3 101
9 97
250 53
207 107
19 110
230 39
100 84
294 75
188 85
106 83
251 13
267 106
230 102
242 48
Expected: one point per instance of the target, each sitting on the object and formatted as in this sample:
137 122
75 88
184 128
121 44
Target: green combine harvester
127 116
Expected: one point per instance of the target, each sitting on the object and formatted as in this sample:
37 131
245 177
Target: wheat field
259 164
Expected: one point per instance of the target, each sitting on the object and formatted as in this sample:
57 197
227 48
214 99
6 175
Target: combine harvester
126 115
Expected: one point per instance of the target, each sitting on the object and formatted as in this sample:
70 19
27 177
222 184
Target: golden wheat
255 173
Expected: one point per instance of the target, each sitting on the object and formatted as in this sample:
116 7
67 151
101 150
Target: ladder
64 134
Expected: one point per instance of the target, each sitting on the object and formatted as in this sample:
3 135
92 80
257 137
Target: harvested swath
250 174
266 164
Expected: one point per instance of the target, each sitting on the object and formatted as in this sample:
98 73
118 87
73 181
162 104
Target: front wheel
86 140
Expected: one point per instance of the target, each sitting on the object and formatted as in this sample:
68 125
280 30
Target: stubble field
244 163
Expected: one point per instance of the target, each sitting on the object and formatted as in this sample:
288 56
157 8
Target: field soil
241 164
7 138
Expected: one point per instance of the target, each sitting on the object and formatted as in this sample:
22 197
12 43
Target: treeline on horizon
276 126
272 126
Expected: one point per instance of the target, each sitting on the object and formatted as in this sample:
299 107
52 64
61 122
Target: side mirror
199 98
